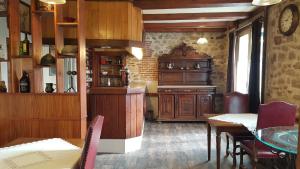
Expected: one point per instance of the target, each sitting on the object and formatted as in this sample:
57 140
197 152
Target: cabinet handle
168 90
187 90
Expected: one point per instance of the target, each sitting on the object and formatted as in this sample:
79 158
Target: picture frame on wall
3 8
25 19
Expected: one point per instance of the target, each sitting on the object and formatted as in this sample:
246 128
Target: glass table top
283 139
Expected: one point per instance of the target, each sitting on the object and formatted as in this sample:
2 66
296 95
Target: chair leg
227 146
254 162
241 158
234 153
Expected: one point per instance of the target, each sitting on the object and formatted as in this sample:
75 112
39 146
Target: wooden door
166 106
204 105
185 106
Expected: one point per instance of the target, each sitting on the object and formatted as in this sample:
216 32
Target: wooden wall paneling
140 114
6 127
93 11
48 26
103 20
60 75
36 35
57 107
133 114
122 116
14 38
81 64
128 116
59 44
26 128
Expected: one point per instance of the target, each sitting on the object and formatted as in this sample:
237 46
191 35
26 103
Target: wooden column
14 39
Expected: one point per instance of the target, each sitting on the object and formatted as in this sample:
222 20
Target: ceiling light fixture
54 1
137 52
265 2
202 41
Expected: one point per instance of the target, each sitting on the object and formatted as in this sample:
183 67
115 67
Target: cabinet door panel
186 106
204 105
166 106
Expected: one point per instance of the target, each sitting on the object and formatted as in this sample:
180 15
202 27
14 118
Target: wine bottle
25 45
24 83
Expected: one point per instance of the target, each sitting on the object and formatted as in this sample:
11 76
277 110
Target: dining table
37 153
283 140
234 123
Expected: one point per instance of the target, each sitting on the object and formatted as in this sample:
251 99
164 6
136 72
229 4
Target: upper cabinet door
185 106
166 106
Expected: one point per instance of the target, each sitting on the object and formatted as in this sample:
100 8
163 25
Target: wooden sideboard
185 90
185 103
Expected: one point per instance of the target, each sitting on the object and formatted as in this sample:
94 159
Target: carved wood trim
185 52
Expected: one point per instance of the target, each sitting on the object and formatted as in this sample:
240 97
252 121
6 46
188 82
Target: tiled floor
169 146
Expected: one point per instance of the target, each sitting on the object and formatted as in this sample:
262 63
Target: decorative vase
49 88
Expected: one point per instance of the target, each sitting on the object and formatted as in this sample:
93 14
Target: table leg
218 148
208 141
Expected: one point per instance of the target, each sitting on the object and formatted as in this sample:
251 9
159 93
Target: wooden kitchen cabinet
185 106
167 107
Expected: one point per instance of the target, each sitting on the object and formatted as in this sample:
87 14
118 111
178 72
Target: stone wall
283 60
146 72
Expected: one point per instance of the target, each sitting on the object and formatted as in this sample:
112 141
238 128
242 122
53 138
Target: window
242 61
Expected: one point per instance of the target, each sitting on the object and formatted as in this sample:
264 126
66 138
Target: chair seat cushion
262 150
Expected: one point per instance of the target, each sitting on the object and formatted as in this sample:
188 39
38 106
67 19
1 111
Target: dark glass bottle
25 45
25 83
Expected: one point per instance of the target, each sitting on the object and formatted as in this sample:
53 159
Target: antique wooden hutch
185 91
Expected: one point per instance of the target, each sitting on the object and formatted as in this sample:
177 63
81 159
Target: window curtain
230 62
254 77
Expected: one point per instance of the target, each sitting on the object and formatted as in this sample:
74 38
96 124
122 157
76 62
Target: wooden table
220 127
76 142
67 152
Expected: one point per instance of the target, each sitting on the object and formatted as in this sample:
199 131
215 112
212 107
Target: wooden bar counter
122 108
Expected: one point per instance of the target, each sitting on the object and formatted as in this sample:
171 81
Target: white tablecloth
248 120
46 154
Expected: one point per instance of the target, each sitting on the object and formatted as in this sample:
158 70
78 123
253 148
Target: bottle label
24 48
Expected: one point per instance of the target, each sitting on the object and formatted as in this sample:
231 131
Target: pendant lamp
265 2
54 1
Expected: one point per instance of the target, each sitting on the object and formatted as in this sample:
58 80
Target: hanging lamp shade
54 1
265 2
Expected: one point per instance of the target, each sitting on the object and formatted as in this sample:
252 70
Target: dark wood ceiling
193 15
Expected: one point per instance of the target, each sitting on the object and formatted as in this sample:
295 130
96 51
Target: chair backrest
236 103
276 114
92 139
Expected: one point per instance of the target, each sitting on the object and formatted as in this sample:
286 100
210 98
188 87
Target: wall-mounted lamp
265 2
54 1
202 41
137 52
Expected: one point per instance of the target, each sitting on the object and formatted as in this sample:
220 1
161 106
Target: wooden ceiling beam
185 30
171 4
188 25
191 16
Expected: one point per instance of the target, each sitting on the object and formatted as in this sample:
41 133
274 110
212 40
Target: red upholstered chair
236 103
89 151
269 115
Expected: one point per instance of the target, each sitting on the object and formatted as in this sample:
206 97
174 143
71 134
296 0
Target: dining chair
236 102
92 139
269 115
